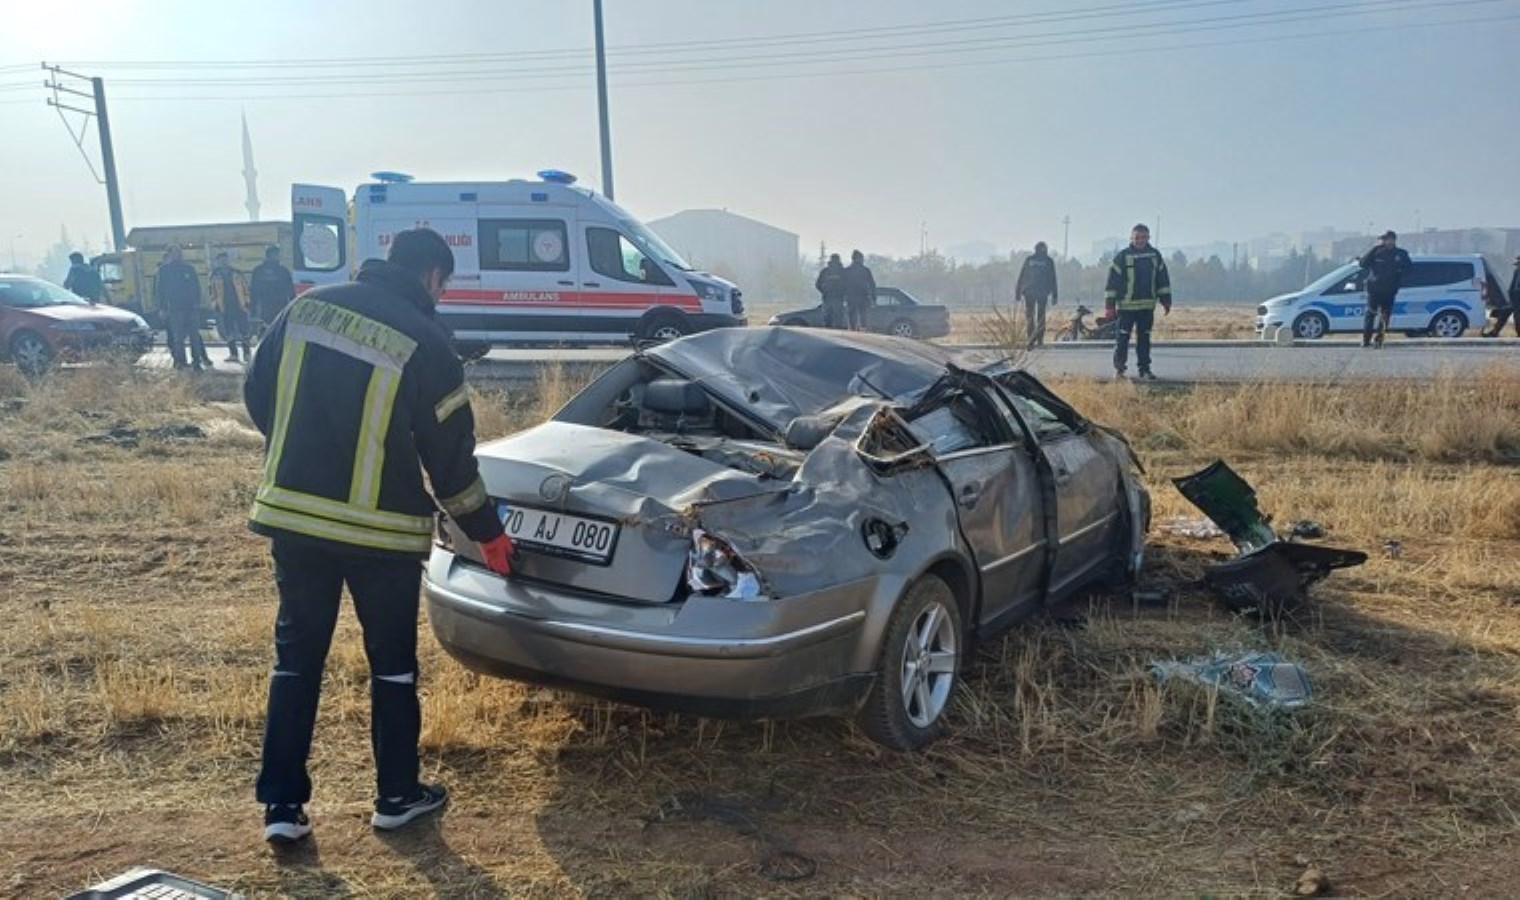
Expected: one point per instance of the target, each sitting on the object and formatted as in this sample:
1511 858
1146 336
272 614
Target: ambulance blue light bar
391 177
555 176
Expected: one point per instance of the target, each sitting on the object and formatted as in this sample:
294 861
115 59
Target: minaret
250 174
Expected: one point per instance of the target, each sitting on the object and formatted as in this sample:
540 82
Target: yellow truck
129 275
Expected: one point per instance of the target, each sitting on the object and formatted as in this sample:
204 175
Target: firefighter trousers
310 580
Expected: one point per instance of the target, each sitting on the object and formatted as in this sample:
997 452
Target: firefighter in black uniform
1036 287
1137 281
353 386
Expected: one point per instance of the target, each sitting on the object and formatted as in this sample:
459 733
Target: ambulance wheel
1311 326
664 327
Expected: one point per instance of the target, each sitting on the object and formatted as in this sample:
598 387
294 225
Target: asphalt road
1187 361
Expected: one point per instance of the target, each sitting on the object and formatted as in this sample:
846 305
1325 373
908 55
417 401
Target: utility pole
601 101
103 126
1065 237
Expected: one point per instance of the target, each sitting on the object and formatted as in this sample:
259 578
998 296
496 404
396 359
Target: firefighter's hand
499 553
1166 309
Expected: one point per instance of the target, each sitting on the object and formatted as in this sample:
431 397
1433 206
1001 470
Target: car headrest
675 397
807 432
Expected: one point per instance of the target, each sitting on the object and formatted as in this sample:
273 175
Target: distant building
752 253
1498 245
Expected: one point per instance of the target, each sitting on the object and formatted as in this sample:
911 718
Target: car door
997 495
1344 302
620 278
319 234
885 309
1087 492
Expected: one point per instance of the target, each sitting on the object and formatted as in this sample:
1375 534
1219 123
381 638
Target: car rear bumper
707 656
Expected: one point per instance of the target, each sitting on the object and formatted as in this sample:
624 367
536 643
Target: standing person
1137 281
1036 286
82 279
1501 307
229 297
1385 265
353 387
271 286
177 291
830 285
859 291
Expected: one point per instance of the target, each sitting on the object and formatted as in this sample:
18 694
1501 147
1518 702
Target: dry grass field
137 615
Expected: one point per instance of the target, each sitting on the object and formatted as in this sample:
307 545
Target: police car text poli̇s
542 261
1440 296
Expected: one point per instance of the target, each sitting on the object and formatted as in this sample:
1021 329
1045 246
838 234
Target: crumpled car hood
806 371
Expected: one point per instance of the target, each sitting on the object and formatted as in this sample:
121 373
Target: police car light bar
555 176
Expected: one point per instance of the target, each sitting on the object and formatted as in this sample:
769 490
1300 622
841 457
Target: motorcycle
1077 329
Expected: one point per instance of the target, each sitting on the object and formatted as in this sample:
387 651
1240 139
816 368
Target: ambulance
542 262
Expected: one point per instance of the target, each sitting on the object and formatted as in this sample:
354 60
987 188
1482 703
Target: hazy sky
851 122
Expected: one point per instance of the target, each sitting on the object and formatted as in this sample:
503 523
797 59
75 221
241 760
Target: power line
856 34
790 59
841 72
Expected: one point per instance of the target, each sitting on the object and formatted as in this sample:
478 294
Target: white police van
539 261
1440 296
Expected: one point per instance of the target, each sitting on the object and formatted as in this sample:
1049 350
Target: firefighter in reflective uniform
1137 281
352 387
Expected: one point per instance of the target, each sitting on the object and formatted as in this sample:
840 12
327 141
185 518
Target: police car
1440 296
540 261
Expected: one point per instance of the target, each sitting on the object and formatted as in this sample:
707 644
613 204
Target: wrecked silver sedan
780 522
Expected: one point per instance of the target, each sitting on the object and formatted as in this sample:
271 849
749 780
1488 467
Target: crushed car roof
779 373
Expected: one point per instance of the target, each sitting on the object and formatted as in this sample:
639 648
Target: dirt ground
138 614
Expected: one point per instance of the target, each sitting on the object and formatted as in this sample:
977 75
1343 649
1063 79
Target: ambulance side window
523 245
614 256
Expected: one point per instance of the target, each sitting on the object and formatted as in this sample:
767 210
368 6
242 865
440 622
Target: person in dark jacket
358 393
270 286
1385 265
830 285
1036 287
177 291
1137 281
83 280
859 291
229 297
1501 307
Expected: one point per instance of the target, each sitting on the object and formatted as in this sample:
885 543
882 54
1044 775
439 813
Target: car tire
918 669
1447 324
664 327
31 353
902 328
1311 326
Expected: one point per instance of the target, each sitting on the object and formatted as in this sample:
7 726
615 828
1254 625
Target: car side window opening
962 421
1349 285
885 299
614 256
1437 274
524 245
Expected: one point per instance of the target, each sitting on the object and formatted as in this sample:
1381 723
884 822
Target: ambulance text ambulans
542 261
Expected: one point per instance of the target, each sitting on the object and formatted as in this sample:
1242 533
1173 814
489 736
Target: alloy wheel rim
31 353
928 665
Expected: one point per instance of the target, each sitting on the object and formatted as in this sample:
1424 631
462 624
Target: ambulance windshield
651 244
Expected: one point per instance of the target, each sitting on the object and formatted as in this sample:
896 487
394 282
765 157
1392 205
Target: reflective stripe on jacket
353 386
1137 279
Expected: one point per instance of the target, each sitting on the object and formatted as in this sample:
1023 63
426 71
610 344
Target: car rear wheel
903 328
664 327
918 671
1311 326
31 353
1448 324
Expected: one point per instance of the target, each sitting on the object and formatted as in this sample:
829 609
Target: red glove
498 552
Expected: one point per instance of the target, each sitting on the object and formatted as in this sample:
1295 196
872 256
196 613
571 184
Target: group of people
1138 281
848 292
238 302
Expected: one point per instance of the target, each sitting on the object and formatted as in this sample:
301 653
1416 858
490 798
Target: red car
41 322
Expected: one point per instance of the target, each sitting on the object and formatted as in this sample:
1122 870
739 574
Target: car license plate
559 534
